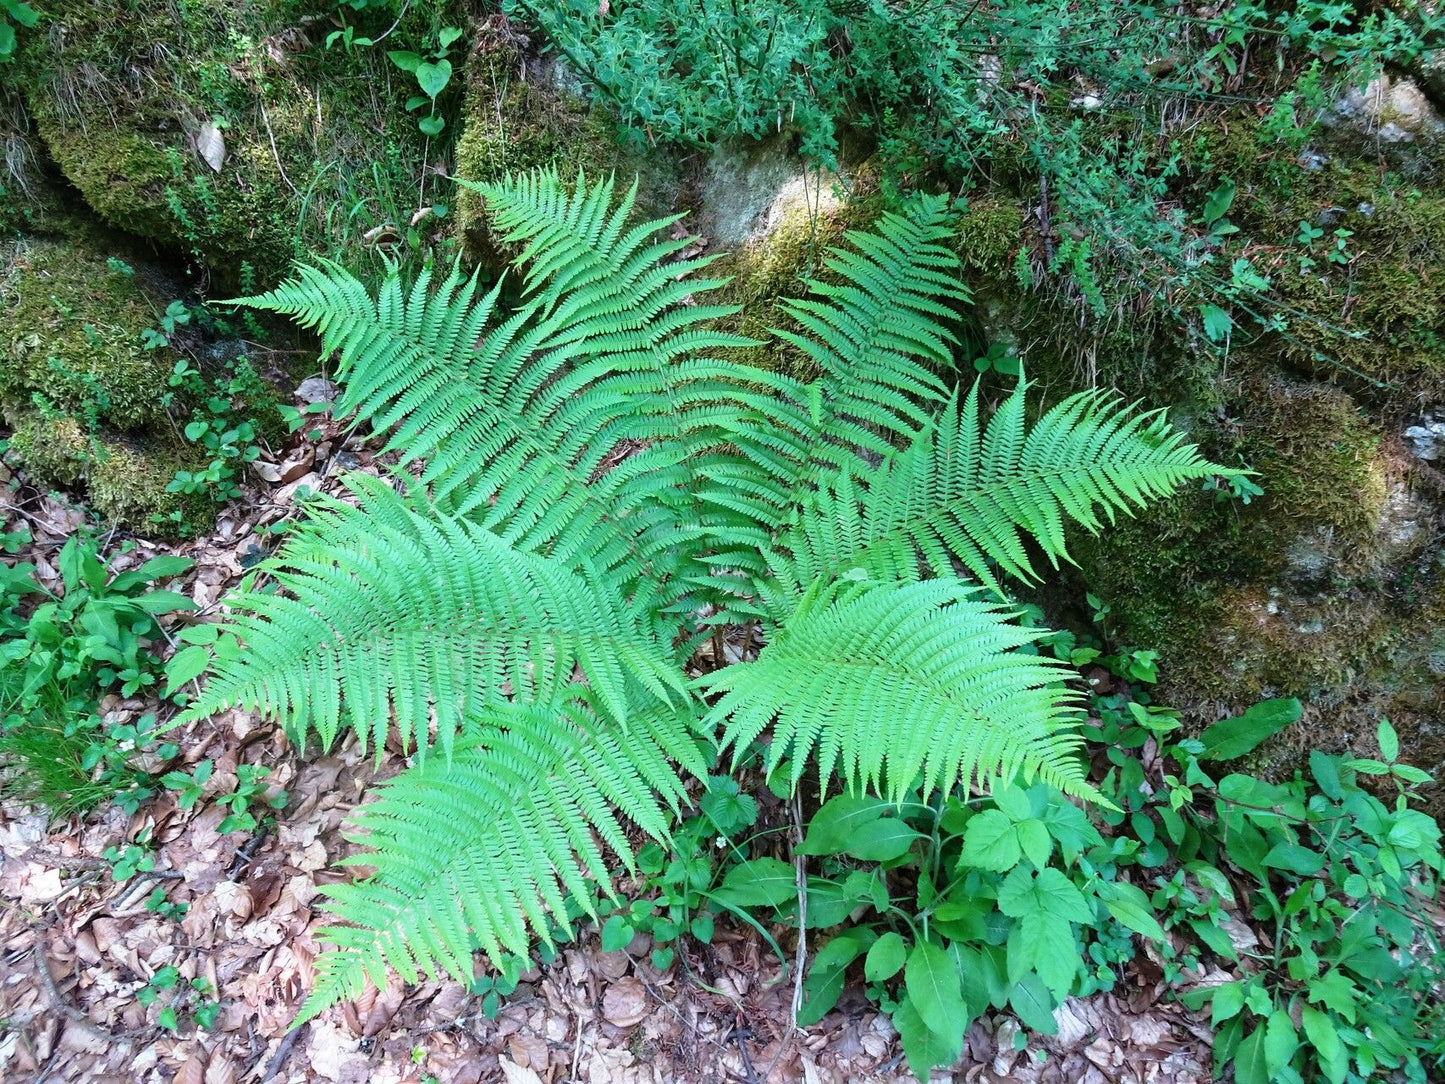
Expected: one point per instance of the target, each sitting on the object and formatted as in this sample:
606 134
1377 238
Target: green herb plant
59 654
432 72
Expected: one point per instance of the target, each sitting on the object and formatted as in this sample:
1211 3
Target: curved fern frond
391 611
969 492
880 339
486 850
894 684
565 425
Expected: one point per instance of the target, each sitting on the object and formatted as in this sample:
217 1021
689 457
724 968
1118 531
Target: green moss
123 479
511 125
774 267
989 236
318 149
72 333
1190 578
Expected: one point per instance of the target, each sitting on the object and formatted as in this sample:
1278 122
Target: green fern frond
969 492
484 851
893 684
568 426
880 339
392 611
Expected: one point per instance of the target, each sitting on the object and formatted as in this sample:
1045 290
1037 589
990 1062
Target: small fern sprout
602 486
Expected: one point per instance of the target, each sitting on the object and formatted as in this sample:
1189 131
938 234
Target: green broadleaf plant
588 489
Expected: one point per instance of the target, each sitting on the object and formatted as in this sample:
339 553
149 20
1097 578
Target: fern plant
588 489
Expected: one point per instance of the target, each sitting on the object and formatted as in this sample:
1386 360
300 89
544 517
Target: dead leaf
220 1071
625 1003
193 1071
211 146
513 1073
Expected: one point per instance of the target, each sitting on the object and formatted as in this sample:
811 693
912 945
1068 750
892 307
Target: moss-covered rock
1276 596
72 334
123 479
522 113
230 131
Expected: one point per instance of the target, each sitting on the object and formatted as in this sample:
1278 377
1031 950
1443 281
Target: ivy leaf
431 126
934 988
617 934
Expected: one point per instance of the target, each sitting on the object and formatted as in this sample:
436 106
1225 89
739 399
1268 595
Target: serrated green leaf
991 841
185 664
1226 1004
1280 1041
1034 839
1329 1050
1389 741
1217 322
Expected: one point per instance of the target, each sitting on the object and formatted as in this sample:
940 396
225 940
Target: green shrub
58 656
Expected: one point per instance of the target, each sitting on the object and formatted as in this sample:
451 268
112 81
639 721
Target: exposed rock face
1390 116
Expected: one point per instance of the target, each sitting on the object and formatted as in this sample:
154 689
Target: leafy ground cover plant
1315 892
59 654
600 494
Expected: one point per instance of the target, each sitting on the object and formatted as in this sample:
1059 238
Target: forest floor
78 948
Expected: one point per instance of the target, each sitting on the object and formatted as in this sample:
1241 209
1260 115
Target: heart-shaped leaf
433 77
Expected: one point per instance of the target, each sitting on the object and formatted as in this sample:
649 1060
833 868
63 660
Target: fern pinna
593 486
